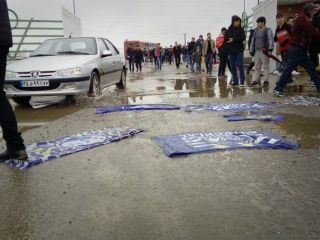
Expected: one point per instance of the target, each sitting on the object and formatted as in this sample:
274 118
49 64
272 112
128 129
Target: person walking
138 58
197 58
130 55
158 53
262 40
222 52
177 50
14 142
282 37
208 50
234 38
191 47
303 33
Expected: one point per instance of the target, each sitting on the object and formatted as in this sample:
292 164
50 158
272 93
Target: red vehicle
138 45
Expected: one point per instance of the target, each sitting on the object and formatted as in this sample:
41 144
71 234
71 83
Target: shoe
290 81
265 83
276 72
234 84
20 155
278 93
295 73
312 84
241 85
254 83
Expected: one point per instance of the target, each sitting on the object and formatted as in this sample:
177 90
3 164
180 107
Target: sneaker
241 85
265 83
312 84
276 72
20 155
278 93
295 73
233 84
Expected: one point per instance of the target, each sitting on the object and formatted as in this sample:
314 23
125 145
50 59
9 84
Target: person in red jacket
303 33
15 146
282 37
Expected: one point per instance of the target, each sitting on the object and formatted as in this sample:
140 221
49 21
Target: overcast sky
162 21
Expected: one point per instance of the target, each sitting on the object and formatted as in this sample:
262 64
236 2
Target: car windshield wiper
42 55
74 52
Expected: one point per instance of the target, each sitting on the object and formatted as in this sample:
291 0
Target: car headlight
11 74
69 72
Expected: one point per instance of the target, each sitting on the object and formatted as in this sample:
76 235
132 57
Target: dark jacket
304 32
138 55
130 53
282 35
316 20
177 51
5 27
239 36
191 47
197 57
199 43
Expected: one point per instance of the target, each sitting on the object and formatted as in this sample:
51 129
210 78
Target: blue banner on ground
229 107
123 108
182 144
259 116
303 101
50 150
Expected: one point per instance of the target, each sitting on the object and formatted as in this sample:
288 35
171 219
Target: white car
66 67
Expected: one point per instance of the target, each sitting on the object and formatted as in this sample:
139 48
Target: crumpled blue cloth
259 116
303 101
123 108
229 107
50 150
187 143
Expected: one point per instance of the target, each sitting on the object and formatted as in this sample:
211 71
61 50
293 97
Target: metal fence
28 34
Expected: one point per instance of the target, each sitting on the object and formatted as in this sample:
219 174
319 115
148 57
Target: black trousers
131 65
314 54
224 62
139 66
178 61
8 120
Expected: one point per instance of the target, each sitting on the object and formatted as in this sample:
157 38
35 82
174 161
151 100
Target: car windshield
66 46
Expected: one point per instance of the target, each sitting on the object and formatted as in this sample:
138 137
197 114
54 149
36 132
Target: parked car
66 67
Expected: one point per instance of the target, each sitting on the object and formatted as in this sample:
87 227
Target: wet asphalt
131 190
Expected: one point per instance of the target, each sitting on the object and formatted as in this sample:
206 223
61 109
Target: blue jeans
237 61
297 56
159 63
197 67
209 62
189 62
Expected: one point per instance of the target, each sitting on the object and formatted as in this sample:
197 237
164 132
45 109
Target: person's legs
258 61
240 64
284 56
295 57
8 120
233 63
210 62
222 64
314 55
308 65
266 67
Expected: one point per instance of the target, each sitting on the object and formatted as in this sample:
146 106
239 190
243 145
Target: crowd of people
296 40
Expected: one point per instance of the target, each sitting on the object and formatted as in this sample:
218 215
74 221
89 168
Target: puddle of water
306 129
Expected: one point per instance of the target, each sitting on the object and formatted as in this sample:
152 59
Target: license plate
37 83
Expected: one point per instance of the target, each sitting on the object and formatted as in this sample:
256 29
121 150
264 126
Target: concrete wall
267 9
71 24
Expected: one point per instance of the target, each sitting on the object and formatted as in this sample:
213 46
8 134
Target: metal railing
28 34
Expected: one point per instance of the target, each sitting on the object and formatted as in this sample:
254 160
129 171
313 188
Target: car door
106 64
117 67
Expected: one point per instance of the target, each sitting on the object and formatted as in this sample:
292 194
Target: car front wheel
123 80
95 85
25 101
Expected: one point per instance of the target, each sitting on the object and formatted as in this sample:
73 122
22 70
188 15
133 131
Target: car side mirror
106 53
